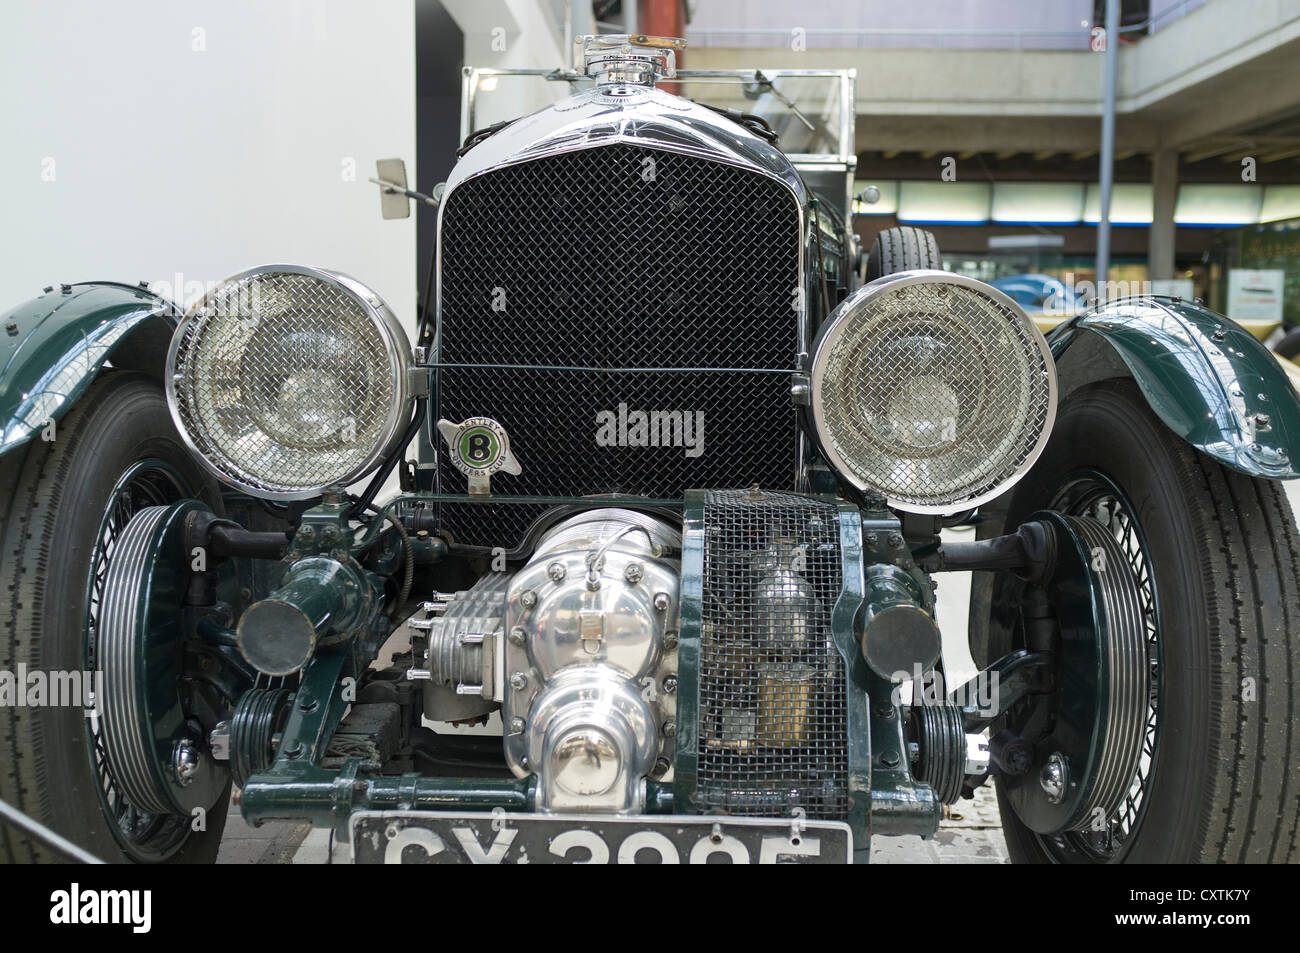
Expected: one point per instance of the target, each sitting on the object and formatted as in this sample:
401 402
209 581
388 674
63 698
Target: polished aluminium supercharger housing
580 649
590 661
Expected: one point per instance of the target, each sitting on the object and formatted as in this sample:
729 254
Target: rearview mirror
393 202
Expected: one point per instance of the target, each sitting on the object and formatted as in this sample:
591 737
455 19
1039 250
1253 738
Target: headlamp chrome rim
834 326
397 349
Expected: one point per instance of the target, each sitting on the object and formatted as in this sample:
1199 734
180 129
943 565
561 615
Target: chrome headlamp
285 380
932 389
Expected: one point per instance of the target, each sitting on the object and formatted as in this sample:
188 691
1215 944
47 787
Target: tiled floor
973 835
275 843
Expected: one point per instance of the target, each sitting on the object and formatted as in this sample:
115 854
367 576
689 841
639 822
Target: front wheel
63 506
1216 558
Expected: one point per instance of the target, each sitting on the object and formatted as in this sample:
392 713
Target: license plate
422 837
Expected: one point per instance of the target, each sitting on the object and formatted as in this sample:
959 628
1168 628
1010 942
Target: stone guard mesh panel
773 701
617 257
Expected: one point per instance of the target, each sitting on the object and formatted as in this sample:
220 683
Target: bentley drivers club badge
479 447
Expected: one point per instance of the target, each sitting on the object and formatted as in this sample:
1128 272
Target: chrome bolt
556 571
307 532
1262 421
519 681
528 599
517 636
662 766
1055 777
670 639
633 572
670 729
186 761
517 726
670 685
219 741
662 602
1220 334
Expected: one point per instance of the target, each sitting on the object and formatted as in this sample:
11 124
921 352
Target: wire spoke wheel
144 836
70 573
1094 495
1212 557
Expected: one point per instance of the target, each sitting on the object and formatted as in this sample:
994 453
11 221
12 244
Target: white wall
147 138
513 34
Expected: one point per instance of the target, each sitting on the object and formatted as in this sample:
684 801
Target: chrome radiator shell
642 253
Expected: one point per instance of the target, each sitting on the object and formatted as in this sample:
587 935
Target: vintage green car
670 529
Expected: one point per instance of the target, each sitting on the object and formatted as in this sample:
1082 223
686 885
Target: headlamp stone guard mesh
932 389
773 695
694 266
285 380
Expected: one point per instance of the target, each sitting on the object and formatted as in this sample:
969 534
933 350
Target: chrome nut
186 761
1055 777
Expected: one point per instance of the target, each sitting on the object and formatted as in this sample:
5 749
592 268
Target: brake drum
1088 742
160 760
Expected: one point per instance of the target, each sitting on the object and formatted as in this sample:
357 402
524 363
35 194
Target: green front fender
52 347
1205 376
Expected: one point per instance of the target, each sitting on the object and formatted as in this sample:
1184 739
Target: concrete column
1164 186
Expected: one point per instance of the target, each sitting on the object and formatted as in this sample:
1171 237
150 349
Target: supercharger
579 648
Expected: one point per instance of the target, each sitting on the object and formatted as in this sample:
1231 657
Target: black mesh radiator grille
618 257
773 706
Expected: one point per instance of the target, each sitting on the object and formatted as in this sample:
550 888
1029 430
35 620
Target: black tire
1289 346
902 248
1224 560
53 502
